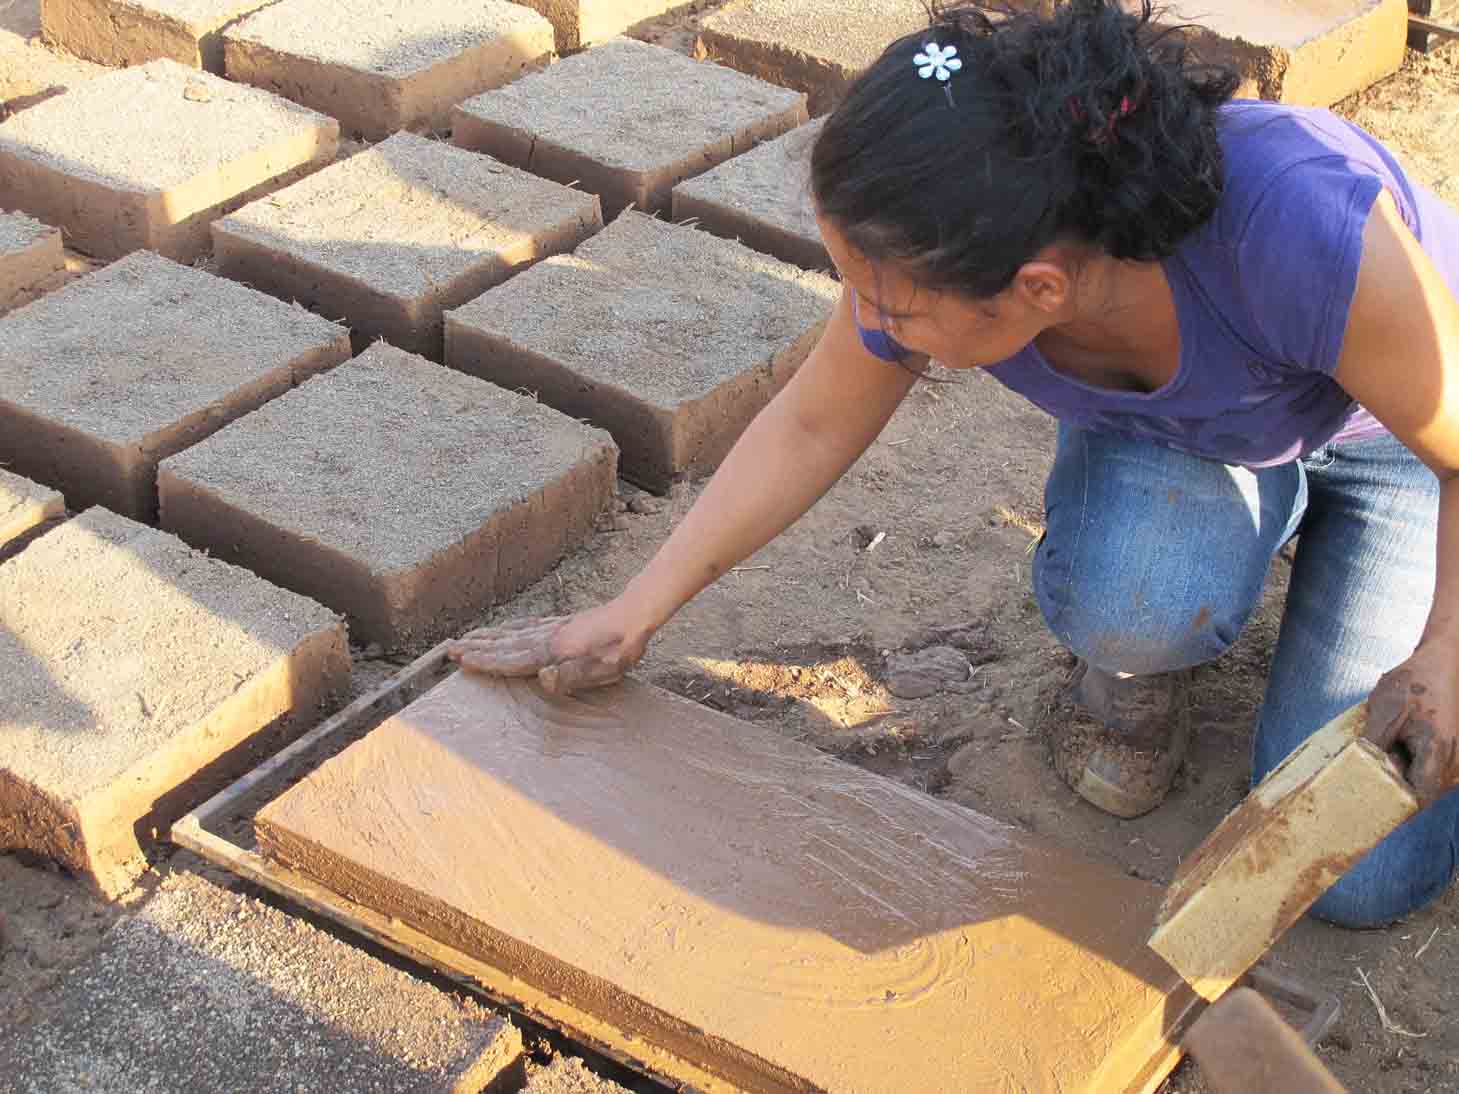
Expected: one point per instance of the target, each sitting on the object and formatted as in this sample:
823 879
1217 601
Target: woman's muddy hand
567 654
1413 714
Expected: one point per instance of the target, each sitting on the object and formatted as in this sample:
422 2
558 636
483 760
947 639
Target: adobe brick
31 259
136 361
670 338
133 32
406 495
146 158
626 121
446 225
762 199
381 67
137 669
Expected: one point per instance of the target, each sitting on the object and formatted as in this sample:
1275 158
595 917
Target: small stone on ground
926 672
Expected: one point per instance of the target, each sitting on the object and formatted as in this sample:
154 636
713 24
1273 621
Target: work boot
1124 739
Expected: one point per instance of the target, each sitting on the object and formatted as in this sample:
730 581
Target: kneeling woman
1243 316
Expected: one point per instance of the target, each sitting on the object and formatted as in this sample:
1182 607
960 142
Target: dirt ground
799 637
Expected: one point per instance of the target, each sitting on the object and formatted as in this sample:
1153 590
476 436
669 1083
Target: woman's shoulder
1280 160
1281 255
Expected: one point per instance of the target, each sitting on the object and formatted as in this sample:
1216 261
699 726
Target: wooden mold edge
1300 830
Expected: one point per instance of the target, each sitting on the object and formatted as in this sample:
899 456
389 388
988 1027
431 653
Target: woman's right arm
790 455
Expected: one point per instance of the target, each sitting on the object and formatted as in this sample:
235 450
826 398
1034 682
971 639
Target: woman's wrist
643 609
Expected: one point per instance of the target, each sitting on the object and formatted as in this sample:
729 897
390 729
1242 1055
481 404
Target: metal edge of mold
385 700
190 832
1430 26
1322 1008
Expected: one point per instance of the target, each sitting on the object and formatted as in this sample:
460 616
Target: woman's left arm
1404 312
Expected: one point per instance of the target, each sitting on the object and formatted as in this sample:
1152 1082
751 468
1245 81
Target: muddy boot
1124 739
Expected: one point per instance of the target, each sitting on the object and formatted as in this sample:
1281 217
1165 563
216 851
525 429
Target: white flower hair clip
936 60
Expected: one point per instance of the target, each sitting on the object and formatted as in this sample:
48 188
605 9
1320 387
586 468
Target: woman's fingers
578 674
1387 712
517 651
500 631
595 653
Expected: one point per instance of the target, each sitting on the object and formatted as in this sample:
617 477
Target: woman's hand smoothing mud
567 654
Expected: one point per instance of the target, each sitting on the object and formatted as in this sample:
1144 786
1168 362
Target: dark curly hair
1090 123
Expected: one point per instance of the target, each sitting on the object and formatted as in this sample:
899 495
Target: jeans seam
1069 581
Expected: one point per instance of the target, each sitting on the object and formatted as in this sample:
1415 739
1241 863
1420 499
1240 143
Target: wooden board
1308 822
783 920
1244 1047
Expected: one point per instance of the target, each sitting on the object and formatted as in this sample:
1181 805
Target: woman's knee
1153 559
1138 627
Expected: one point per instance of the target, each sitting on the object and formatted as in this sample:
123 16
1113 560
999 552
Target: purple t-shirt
1262 293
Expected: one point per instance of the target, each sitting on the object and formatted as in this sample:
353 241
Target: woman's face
955 330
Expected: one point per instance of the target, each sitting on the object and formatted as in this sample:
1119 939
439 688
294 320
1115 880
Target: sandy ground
799 638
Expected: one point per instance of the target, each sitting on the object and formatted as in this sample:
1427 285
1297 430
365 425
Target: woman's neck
1123 331
1119 308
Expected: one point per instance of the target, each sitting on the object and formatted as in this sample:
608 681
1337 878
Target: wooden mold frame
1312 1013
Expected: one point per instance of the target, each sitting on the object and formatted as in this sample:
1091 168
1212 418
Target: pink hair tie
1103 134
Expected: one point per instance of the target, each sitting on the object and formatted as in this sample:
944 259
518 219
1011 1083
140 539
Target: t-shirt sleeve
1298 254
878 343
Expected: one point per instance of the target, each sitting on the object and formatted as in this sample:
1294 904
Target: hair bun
1089 121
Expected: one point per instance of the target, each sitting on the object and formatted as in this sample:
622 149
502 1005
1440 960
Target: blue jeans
1154 560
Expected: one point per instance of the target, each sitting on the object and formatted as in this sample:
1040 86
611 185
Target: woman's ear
1043 286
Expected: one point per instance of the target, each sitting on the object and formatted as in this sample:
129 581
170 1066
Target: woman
1243 316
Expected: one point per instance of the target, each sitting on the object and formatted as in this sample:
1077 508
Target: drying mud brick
1311 53
445 226
383 66
816 48
761 199
406 495
136 669
1326 806
252 1001
669 338
133 32
146 158
31 257
772 914
582 23
106 376
24 505
626 121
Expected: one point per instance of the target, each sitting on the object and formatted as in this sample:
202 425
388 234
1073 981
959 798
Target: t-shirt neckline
1178 292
